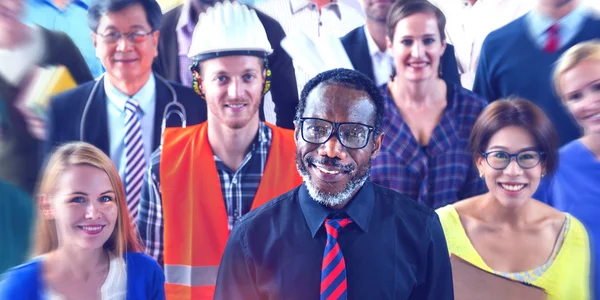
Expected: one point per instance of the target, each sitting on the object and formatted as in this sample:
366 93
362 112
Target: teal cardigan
145 280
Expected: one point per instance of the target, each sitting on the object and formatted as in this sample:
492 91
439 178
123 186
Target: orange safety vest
195 219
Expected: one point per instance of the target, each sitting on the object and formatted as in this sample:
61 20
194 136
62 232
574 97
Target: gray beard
328 199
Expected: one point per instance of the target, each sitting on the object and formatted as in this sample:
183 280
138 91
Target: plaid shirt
238 189
441 173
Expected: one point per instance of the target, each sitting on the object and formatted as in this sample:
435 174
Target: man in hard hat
211 174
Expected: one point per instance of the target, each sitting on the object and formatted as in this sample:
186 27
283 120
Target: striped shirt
238 189
441 173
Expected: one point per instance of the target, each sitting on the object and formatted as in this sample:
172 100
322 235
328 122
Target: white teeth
332 172
513 188
91 228
236 105
418 65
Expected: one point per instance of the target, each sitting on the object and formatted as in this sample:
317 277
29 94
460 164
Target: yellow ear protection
267 85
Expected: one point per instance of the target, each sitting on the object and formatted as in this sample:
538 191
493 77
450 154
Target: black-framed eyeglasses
526 159
350 134
137 36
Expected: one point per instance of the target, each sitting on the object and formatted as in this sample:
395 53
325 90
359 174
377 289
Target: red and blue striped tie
333 272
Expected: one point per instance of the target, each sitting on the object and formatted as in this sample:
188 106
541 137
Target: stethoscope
173 107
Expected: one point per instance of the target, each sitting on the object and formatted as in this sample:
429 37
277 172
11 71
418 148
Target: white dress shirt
467 26
335 19
115 108
383 63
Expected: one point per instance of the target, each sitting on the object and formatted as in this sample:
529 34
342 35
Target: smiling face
233 86
580 87
332 172
125 60
83 207
417 47
513 185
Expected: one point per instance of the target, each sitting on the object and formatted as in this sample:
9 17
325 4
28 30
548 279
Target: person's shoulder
78 94
170 18
184 92
354 35
406 207
271 25
470 97
141 262
20 281
500 36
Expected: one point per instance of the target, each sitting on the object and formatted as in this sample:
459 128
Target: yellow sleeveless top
565 276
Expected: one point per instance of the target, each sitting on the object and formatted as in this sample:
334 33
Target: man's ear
378 141
46 206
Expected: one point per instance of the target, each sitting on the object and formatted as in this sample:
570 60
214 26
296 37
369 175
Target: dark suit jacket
355 43
66 110
283 82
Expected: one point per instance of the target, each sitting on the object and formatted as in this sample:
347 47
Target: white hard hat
229 29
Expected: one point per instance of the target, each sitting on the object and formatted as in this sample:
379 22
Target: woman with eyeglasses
427 120
85 245
575 188
506 231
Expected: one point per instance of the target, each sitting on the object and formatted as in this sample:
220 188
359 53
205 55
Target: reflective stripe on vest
191 276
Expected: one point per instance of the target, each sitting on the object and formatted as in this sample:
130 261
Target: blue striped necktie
135 160
333 271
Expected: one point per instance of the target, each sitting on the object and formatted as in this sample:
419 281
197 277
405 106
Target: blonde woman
575 188
85 247
506 231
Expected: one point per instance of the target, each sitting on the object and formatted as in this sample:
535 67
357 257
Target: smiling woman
85 244
506 231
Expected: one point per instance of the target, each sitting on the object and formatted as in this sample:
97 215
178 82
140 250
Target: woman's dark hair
351 79
521 113
402 9
99 8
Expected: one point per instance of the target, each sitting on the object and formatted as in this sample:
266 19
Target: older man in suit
172 61
367 49
122 113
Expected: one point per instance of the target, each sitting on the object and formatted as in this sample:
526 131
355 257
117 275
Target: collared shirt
440 173
383 63
115 108
468 25
393 249
72 20
568 26
238 189
336 19
185 30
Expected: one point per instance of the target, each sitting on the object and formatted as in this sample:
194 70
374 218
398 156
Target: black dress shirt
394 249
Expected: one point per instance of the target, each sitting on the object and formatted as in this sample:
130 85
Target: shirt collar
185 20
298 5
539 23
144 96
373 48
360 208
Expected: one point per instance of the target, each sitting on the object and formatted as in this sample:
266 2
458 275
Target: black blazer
66 110
355 43
283 82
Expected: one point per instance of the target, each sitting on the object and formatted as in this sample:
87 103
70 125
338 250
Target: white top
467 26
114 287
383 63
335 19
17 62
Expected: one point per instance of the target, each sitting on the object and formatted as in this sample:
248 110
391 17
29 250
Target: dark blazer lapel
96 122
358 51
163 97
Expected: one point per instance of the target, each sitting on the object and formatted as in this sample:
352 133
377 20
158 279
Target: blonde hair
123 238
589 50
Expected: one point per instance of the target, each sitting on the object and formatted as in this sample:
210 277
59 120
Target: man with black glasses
122 112
389 246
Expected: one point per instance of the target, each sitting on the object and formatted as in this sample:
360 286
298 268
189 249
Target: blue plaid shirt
237 186
441 173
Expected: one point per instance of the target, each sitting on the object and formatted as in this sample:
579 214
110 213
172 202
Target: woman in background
575 188
85 246
506 231
427 121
